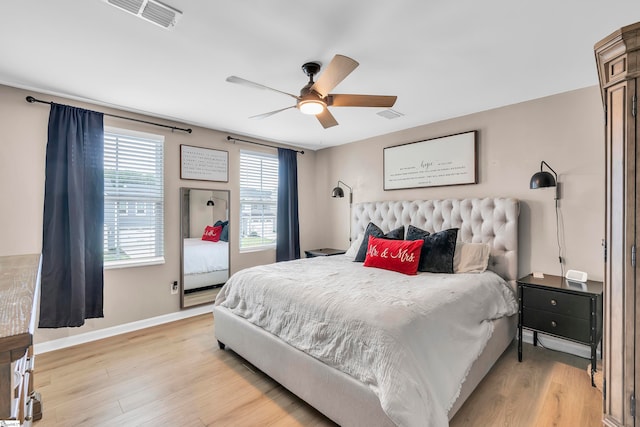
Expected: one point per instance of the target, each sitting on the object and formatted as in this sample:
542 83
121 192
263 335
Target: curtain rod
230 138
31 100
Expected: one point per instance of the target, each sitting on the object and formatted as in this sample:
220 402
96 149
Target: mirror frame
216 287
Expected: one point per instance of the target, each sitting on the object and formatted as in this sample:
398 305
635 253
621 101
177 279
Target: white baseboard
120 329
559 344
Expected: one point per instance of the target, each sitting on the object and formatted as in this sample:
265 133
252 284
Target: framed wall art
448 160
204 164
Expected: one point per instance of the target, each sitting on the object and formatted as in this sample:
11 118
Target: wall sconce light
211 203
339 192
544 179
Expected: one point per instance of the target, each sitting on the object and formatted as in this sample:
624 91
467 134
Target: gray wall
565 130
130 294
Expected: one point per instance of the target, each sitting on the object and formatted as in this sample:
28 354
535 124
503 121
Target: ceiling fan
314 97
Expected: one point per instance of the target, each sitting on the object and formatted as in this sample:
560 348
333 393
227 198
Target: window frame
271 203
127 206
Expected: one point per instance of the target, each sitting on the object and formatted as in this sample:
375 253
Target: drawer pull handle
553 323
553 302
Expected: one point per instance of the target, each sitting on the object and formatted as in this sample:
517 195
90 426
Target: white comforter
411 339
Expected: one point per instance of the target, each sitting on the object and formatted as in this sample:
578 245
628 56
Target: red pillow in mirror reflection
212 234
402 256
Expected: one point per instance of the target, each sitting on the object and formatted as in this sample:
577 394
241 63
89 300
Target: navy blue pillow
375 231
437 250
224 234
415 233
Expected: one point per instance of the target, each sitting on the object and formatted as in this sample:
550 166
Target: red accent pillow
402 256
212 233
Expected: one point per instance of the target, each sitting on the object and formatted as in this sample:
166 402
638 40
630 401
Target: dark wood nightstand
556 306
324 252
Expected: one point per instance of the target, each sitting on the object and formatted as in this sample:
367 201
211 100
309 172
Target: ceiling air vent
150 10
390 114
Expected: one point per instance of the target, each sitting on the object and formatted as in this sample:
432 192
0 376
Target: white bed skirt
337 395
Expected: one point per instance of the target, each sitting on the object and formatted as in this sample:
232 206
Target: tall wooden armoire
618 62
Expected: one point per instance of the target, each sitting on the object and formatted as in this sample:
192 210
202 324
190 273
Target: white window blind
258 200
133 200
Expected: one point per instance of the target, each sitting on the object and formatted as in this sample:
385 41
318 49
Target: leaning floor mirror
204 244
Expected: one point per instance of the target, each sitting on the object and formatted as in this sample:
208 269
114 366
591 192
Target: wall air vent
389 114
149 10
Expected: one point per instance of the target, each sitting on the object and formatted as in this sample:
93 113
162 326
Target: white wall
565 130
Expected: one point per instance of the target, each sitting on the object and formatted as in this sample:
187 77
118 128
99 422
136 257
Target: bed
206 263
393 366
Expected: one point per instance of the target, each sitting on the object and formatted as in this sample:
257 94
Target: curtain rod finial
30 99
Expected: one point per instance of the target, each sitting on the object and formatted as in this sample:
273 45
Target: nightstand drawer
557 302
557 324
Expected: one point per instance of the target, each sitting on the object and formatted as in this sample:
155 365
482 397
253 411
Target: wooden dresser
618 62
19 286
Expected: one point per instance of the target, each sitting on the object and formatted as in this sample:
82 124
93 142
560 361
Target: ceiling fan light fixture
316 96
311 106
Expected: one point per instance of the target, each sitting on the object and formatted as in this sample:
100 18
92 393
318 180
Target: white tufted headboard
489 220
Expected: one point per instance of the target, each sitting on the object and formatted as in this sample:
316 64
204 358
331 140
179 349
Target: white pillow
471 257
355 245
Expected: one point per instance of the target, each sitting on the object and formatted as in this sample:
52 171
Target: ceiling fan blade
241 81
344 100
326 119
270 113
339 68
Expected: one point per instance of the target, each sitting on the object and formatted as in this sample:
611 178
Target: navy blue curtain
288 241
72 237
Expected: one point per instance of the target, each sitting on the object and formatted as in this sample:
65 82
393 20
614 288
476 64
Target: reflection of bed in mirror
204 244
205 263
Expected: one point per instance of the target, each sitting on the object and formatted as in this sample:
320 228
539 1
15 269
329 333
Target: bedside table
324 252
556 306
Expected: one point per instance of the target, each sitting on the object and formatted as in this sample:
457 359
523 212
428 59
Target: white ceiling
441 58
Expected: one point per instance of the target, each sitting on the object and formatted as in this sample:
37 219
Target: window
258 200
133 198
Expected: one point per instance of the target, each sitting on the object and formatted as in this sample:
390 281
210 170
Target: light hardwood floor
175 375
